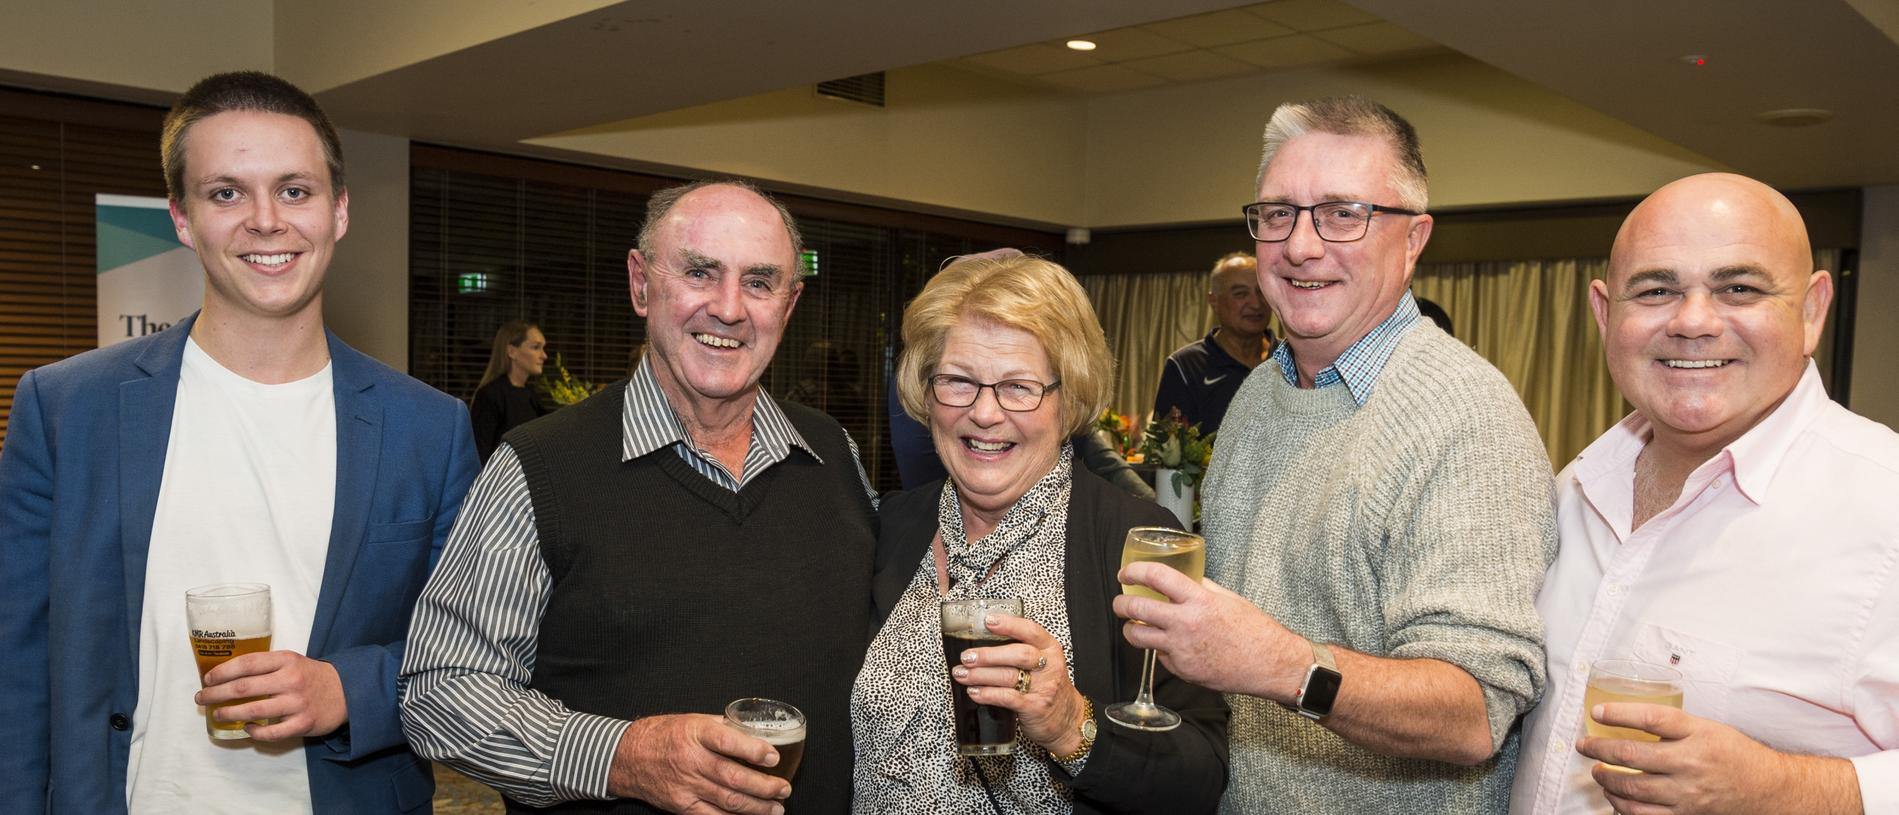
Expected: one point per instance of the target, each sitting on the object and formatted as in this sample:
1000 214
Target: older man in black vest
627 566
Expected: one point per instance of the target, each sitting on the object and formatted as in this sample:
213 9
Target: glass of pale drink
1616 681
227 620
1186 553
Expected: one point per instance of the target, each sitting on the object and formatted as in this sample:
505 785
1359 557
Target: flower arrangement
1118 426
1172 443
566 389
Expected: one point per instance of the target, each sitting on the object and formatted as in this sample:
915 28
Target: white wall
366 297
1875 391
1190 152
947 137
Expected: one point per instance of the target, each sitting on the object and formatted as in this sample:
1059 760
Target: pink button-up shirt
1772 584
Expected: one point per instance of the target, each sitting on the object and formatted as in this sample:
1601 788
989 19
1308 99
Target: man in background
1736 527
632 563
1378 502
1201 377
244 444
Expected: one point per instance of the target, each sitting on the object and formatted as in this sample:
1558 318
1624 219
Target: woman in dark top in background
503 400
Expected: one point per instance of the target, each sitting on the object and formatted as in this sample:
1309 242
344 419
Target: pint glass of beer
1623 680
779 724
981 730
227 620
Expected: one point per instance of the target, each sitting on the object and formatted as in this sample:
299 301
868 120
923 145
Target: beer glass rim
223 591
735 709
1634 669
1166 535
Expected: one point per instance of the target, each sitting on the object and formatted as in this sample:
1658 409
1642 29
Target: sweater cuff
583 756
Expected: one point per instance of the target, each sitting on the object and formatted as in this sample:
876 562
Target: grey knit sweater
1417 525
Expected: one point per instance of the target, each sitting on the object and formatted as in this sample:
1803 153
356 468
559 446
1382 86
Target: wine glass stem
1146 698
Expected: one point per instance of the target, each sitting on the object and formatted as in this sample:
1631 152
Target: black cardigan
1128 771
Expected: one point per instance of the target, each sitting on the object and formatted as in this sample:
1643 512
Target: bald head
1710 209
1233 293
1710 308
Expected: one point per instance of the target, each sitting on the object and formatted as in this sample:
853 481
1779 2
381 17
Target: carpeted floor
457 794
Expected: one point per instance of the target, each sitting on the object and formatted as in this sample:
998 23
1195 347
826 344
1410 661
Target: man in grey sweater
1377 513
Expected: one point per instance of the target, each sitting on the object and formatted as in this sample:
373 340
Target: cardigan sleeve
1183 770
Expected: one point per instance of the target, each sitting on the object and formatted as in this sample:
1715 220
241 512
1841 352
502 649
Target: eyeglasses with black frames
1015 395
1335 221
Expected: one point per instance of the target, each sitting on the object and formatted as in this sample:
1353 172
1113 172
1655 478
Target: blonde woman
503 399
1004 361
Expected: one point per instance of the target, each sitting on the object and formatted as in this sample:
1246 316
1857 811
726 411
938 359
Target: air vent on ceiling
864 88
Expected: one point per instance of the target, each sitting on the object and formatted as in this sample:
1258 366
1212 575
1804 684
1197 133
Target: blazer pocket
400 531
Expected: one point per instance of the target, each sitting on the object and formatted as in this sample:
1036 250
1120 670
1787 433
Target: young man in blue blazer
245 444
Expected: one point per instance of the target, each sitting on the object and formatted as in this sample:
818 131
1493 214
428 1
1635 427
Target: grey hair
1229 259
662 203
1352 116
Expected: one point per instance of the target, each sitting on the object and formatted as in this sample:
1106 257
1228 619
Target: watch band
1321 686
1322 654
1087 738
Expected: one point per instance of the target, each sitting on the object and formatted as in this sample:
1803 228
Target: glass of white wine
1626 680
1186 553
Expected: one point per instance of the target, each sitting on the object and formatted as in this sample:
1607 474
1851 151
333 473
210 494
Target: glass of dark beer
981 730
779 724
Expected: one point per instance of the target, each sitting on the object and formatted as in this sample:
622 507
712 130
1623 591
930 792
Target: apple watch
1321 687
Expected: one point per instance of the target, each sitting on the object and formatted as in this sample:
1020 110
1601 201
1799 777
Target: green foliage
1172 443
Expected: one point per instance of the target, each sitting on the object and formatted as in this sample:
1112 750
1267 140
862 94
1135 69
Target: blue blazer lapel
359 424
146 403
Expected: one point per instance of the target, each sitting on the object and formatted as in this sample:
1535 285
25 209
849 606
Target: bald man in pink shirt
1739 525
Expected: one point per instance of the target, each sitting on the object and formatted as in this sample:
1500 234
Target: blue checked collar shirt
476 630
1361 363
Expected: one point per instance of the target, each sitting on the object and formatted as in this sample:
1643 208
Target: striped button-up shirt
1361 363
472 643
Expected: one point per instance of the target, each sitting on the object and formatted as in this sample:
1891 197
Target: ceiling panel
1286 52
1103 79
1039 58
1218 28
1312 15
1123 44
1192 66
1377 39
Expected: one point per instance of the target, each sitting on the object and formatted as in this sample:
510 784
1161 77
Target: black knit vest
672 594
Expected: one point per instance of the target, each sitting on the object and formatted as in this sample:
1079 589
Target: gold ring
1023 681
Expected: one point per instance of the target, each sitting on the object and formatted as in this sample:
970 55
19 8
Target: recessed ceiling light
1082 45
1795 117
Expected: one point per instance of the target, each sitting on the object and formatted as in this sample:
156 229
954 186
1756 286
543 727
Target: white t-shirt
247 497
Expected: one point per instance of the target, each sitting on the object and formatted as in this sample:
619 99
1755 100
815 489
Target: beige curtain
1146 317
1531 319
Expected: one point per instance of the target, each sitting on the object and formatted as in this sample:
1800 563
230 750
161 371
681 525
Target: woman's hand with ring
1049 711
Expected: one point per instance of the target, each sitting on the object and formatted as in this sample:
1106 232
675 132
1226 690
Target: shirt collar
1757 454
1605 470
1361 363
649 422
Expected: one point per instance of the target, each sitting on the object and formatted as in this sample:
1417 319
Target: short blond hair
1025 293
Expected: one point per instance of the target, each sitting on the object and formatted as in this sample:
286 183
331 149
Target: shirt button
120 722
1615 590
1556 748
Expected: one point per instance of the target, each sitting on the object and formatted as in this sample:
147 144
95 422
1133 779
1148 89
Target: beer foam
776 732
